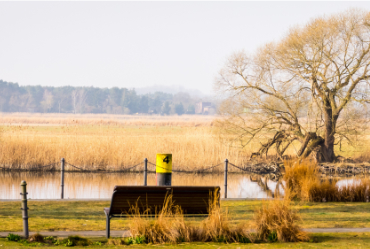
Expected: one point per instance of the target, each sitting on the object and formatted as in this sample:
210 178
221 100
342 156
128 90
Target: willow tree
302 88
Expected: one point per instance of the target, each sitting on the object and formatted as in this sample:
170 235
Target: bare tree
78 100
298 88
47 100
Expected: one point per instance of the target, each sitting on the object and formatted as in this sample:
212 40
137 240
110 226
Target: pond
46 185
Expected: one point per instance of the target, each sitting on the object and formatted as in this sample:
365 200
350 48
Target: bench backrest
193 200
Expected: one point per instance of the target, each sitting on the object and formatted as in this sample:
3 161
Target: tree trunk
330 123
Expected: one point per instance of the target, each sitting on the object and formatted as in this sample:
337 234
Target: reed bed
304 182
112 147
116 142
104 119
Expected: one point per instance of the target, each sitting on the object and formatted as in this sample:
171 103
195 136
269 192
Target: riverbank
89 215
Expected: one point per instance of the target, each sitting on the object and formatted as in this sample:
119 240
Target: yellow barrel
164 163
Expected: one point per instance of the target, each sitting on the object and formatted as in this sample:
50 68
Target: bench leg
107 229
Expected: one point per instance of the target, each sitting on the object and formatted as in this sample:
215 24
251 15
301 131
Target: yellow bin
164 163
163 169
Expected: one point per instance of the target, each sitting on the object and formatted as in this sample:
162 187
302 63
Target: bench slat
192 199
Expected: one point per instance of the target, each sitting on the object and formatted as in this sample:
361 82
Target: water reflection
100 185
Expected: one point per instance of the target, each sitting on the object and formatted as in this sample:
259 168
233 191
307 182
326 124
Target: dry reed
110 147
303 181
299 177
357 191
104 119
275 220
169 225
217 228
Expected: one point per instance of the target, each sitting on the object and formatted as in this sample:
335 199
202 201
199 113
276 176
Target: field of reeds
103 142
304 182
116 142
101 119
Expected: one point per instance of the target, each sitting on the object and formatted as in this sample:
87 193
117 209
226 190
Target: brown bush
216 227
169 225
327 190
276 218
299 178
303 182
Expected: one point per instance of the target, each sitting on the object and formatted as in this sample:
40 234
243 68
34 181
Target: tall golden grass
276 220
169 225
303 181
114 147
115 142
104 119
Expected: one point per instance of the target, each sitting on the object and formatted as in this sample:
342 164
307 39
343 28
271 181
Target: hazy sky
137 44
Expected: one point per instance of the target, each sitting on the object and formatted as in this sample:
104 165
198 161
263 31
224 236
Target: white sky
138 44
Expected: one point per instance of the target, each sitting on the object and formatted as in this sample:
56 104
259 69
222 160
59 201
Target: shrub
275 220
216 227
169 226
299 178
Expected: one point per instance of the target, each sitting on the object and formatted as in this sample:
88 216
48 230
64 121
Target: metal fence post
226 163
24 209
145 171
62 178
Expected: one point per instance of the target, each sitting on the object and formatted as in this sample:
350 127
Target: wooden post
145 171
62 178
24 209
225 179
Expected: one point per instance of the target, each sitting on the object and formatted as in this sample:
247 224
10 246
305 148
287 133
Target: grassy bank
341 240
85 216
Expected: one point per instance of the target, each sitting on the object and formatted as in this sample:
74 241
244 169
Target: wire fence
53 167
188 171
127 169
208 169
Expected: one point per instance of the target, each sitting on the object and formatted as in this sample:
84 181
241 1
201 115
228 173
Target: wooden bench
193 200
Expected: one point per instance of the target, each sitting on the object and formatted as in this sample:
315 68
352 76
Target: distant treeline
68 99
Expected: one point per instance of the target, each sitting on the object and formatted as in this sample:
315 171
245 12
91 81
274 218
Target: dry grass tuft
169 226
217 228
299 178
356 191
36 238
276 221
303 182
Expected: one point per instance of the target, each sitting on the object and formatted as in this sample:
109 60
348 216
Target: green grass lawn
324 240
89 215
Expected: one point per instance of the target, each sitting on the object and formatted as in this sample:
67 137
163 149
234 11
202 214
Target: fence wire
188 171
103 171
247 169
